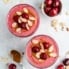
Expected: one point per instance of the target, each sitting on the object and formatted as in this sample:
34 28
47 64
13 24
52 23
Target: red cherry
56 3
66 61
12 66
46 45
15 18
53 12
25 15
47 9
35 49
22 25
48 2
43 56
60 66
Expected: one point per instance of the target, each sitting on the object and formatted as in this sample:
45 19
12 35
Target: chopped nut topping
52 54
27 26
30 23
35 41
18 30
18 13
32 18
38 54
51 49
14 25
25 10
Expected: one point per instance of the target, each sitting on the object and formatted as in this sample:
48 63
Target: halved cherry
43 56
12 66
35 49
15 18
61 66
46 45
25 15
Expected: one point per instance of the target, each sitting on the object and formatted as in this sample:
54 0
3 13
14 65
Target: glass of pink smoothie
22 20
42 51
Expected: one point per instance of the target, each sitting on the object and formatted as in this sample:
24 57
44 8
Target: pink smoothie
20 8
46 63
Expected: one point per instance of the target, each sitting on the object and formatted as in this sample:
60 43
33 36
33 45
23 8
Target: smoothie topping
23 20
42 49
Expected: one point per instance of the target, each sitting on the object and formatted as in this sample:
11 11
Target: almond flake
18 30
25 10
35 41
54 23
52 54
51 49
38 55
14 25
32 18
67 67
19 20
30 23
18 13
27 26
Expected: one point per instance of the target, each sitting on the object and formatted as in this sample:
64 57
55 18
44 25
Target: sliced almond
32 18
38 55
67 67
14 25
19 20
51 49
18 13
30 23
18 30
23 19
27 26
53 54
35 41
25 10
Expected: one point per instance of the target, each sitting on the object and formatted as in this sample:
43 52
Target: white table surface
9 41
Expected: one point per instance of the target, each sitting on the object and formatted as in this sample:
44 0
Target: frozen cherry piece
15 18
25 15
43 56
46 45
60 66
48 2
66 61
12 66
35 49
53 12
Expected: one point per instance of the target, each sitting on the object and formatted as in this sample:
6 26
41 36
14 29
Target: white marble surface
9 41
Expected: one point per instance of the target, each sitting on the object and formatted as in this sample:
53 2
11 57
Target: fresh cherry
56 3
25 15
46 45
43 56
22 25
66 61
47 9
15 18
53 12
48 2
60 66
35 49
12 66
